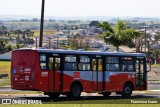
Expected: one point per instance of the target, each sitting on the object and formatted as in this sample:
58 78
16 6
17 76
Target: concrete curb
20 95
154 82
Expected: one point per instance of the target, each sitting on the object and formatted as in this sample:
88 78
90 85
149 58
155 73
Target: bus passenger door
97 74
140 74
54 73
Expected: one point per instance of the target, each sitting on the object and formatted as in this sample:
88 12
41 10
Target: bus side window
57 63
70 62
50 63
112 64
99 64
127 63
93 64
84 63
43 64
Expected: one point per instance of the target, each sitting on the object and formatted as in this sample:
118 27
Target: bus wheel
127 90
75 91
54 95
106 94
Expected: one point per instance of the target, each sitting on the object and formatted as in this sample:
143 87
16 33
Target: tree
94 23
2 44
35 19
18 32
9 47
29 33
120 35
19 46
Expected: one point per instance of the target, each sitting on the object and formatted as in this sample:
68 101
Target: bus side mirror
148 66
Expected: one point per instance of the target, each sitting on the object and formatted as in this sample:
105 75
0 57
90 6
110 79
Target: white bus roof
86 52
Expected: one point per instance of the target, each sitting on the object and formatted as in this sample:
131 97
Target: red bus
71 72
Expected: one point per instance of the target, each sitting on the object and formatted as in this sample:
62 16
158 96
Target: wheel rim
76 91
127 90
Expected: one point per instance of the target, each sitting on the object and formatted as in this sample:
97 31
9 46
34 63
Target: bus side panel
67 80
87 85
41 77
85 78
43 81
117 81
50 81
54 81
57 81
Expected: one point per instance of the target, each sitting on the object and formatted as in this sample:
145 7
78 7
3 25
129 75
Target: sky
76 8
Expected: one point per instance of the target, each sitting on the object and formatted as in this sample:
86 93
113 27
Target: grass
22 92
5 81
157 65
37 32
5 67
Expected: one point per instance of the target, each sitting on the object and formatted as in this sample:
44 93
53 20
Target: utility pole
41 25
36 42
145 38
57 42
49 43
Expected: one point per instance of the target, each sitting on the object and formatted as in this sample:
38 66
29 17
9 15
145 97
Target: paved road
154 86
7 89
86 98
151 86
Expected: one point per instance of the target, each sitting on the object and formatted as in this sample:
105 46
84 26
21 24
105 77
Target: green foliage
37 32
19 46
106 26
2 44
9 47
5 67
5 82
99 36
120 34
94 23
5 46
154 53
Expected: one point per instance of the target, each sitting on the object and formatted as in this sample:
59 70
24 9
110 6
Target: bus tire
75 91
106 94
54 95
127 90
